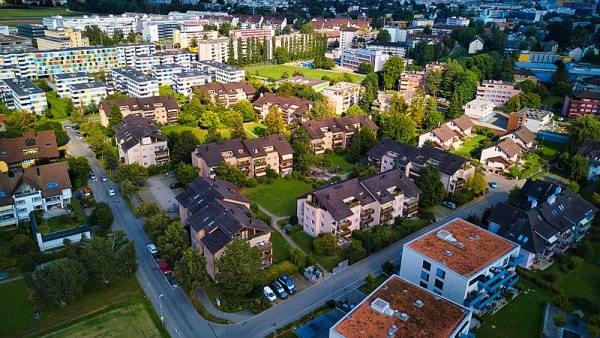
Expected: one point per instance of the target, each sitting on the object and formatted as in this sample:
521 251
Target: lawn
16 314
201 133
582 282
58 106
339 161
275 72
471 147
281 248
551 150
532 164
304 241
34 11
278 197
552 99
378 281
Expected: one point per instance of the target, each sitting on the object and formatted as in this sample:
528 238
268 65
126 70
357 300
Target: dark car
176 185
287 284
156 256
172 281
278 289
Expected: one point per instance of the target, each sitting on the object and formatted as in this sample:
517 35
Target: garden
275 72
279 196
252 130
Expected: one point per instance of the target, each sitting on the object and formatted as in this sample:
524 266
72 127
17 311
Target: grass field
551 150
33 11
274 72
470 147
304 241
201 133
281 248
339 161
279 197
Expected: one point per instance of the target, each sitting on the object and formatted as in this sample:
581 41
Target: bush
575 262
251 183
274 271
298 258
325 244
325 162
551 277
21 244
335 178
388 268
293 219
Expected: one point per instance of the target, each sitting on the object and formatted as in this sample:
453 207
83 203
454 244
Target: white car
111 192
152 248
269 294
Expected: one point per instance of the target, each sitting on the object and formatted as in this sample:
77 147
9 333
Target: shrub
551 277
298 258
325 162
274 271
293 219
251 183
388 268
270 181
335 178
575 262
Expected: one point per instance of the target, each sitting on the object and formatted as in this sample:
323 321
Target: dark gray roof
447 163
537 189
379 184
590 149
22 86
204 190
133 129
568 210
340 124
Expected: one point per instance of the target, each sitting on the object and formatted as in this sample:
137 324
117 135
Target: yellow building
61 39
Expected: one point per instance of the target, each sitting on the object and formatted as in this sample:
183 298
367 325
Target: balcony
514 261
489 299
386 218
387 209
286 164
260 164
366 212
566 237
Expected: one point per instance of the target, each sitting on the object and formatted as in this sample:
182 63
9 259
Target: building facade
499 92
22 94
479 109
352 58
132 82
140 141
336 133
159 109
343 95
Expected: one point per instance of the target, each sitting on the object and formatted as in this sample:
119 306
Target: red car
164 267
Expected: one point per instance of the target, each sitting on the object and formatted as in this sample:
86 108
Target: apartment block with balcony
140 141
343 95
545 219
357 204
333 133
165 73
85 94
159 109
217 214
29 149
252 156
144 63
480 110
213 49
251 33
11 43
581 103
43 187
454 169
293 110
186 34
229 93
22 94
412 81
184 82
222 72
62 38
132 82
463 263
499 92
352 58
64 80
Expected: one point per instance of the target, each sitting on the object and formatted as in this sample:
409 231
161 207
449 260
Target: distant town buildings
499 92
352 58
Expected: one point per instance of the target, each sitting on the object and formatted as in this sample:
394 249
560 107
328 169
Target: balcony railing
287 164
387 210
367 212
514 261
386 218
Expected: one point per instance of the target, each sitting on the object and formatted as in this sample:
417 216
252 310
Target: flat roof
133 74
219 65
88 85
301 80
65 76
22 86
192 73
167 66
462 246
433 316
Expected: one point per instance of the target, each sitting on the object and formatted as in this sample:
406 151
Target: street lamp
162 319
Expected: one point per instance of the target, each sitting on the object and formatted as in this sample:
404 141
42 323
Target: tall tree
79 168
186 173
102 215
433 117
354 110
230 173
304 157
237 130
391 72
109 259
384 36
59 282
115 116
172 242
321 110
432 85
181 145
274 121
239 268
433 191
371 85
20 122
190 270
398 127
245 108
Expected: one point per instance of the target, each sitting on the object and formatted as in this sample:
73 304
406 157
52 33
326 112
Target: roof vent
447 253
403 316
392 331
444 234
419 303
380 305
460 245
390 312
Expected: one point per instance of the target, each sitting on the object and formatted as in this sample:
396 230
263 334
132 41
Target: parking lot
158 188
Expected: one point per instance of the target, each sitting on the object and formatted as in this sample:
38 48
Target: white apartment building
180 58
346 36
85 94
184 82
480 109
164 73
140 141
187 33
22 94
458 21
343 94
108 24
357 204
462 262
222 72
63 81
214 50
144 63
391 48
352 58
133 83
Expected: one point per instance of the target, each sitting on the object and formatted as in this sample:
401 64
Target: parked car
111 192
152 248
103 178
176 185
156 257
287 284
92 176
164 267
172 281
278 289
269 294
493 185
449 205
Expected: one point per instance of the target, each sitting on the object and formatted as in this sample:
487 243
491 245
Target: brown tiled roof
51 179
479 247
141 103
463 122
212 152
444 133
437 317
339 124
133 129
228 88
294 104
510 147
30 146
524 134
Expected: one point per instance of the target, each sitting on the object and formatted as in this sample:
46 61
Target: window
423 284
52 184
440 273
424 275
439 284
426 265
22 210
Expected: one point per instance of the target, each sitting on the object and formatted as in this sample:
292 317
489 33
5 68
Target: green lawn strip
58 223
201 133
533 163
18 319
304 241
552 99
58 106
551 150
34 11
278 197
339 161
281 248
582 282
378 281
277 71
471 146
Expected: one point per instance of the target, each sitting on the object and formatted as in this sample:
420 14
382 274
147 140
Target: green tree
181 145
109 259
579 168
366 68
398 104
59 282
417 109
304 157
370 281
224 28
115 116
514 172
102 215
79 168
77 116
156 225
134 172
391 72
239 269
307 28
476 184
456 104
147 209
274 121
210 119
432 188
246 109
587 127
383 36
356 252
186 173
354 110
59 133
371 85
172 242
281 55
432 86
298 258
190 270
238 131
117 36
321 62
20 122
325 244
231 117
230 173
398 127
512 105
433 117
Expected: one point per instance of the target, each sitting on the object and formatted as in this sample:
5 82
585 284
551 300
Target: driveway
159 187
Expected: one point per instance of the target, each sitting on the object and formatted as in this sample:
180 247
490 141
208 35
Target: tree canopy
433 191
239 269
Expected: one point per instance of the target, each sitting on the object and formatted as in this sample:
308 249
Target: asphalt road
181 318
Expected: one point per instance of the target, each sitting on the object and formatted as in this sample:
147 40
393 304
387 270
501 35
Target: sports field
33 11
274 72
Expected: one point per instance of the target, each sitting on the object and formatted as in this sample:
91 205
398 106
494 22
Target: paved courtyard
159 188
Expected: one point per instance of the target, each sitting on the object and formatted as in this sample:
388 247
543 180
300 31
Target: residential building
165 73
183 82
132 82
521 75
7 72
229 93
31 31
454 169
292 109
399 308
217 214
450 135
213 49
252 156
499 92
462 262
346 36
391 48
222 72
413 39
317 85
343 95
27 150
186 35
334 133
507 151
590 149
159 109
144 63
411 82
457 21
352 58
357 204
22 94
61 39
85 94
524 137
155 31
476 45
140 141
179 57
581 103
533 119
107 24
45 187
479 109
64 80
11 43
546 219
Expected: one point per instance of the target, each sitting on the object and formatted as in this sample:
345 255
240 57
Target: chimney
328 197
38 170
